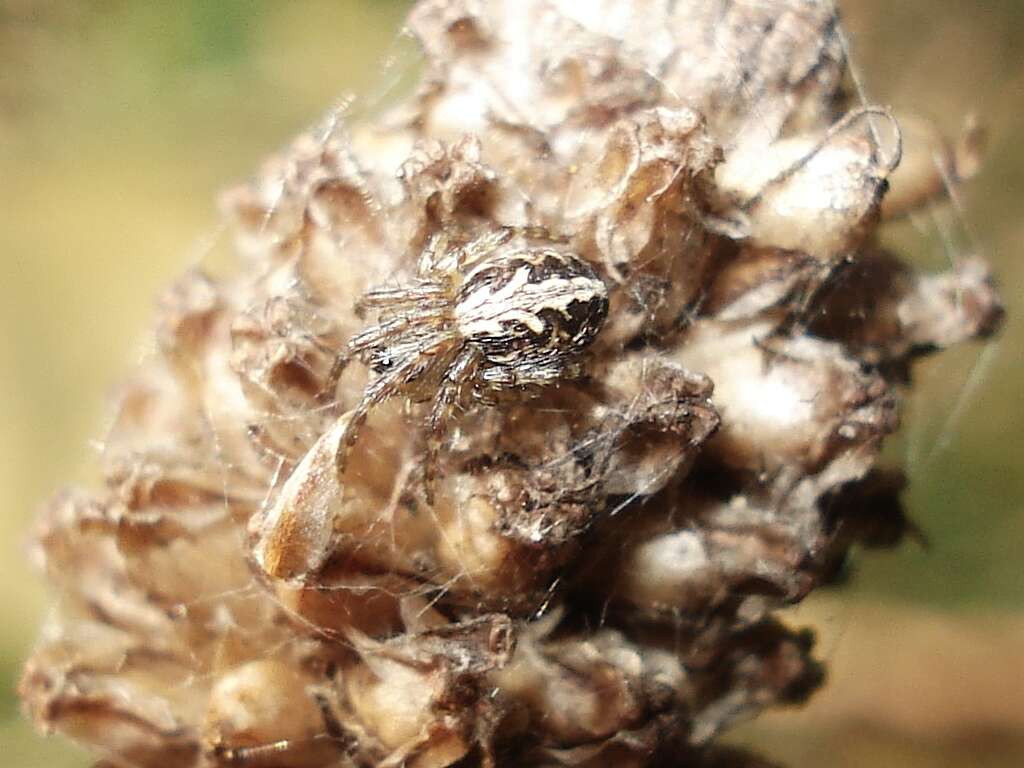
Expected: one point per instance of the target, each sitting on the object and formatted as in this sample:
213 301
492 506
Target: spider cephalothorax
512 310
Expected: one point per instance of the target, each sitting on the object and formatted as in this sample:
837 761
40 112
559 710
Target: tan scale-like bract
593 577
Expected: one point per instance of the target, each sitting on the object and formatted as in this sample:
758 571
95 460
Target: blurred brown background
120 120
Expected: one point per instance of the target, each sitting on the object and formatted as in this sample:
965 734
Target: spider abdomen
532 310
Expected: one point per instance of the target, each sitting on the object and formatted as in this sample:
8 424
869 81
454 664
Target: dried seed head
604 298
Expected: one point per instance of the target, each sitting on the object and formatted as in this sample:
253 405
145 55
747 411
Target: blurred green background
120 120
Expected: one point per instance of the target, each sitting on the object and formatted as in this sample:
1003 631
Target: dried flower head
630 318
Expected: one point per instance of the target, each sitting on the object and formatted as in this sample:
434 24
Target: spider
479 319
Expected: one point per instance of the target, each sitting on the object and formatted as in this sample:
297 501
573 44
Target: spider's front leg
425 295
329 394
479 249
384 387
388 384
428 301
449 396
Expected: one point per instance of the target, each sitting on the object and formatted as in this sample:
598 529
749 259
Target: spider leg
483 246
431 256
462 370
403 296
372 337
341 361
538 232
258 754
384 387
375 334
362 341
